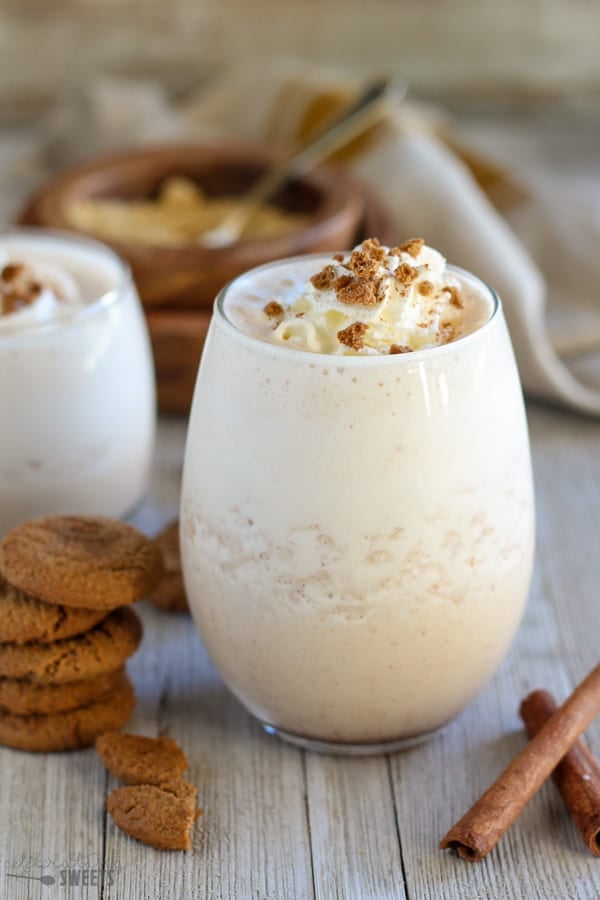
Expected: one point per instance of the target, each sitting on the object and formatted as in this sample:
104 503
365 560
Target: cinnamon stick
484 824
577 776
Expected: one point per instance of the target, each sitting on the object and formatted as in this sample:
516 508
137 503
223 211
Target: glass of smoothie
357 520
77 395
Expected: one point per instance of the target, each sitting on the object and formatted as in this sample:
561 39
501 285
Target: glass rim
358 359
86 311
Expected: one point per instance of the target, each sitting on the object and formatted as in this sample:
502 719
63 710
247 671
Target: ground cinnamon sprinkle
324 279
273 309
353 336
399 348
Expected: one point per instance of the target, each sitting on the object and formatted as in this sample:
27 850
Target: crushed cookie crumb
362 264
372 247
17 288
413 247
12 271
353 336
324 279
399 348
300 315
447 332
273 309
355 291
455 298
343 281
426 288
339 257
405 274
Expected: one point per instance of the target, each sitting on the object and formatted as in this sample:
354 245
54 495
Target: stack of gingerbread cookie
66 629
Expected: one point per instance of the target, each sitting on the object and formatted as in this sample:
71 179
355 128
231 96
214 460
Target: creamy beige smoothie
77 406
357 510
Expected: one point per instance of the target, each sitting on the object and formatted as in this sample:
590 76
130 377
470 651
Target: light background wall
478 49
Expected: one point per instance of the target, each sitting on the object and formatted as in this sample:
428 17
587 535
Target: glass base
340 748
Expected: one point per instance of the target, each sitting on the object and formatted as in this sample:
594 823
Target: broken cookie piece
136 759
159 815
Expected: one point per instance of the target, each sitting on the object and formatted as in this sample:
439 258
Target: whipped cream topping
35 292
374 300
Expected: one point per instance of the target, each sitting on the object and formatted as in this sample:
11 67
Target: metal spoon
47 880
373 105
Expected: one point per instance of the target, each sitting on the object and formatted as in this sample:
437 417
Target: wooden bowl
191 276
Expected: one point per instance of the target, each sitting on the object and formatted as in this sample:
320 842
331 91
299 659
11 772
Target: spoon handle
375 102
370 107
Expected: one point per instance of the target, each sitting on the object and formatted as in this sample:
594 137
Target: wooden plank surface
280 823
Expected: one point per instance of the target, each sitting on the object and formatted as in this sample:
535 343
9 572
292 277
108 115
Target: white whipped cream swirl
393 300
49 293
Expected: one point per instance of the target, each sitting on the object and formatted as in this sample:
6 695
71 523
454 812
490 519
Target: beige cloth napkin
540 252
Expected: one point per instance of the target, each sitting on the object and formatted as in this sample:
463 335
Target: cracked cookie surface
24 697
24 618
137 759
81 561
101 650
69 730
159 815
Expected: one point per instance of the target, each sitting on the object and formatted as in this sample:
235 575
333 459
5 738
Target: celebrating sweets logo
81 870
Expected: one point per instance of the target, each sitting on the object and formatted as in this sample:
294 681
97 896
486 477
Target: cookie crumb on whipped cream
18 288
273 309
373 300
34 291
353 336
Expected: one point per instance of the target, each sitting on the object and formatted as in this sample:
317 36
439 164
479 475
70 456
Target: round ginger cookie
24 618
101 650
23 697
71 730
81 561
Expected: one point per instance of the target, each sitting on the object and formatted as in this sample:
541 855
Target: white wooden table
281 824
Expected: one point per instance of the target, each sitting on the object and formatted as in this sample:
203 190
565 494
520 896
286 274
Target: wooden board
280 823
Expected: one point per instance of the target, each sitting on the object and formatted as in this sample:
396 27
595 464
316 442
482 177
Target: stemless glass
77 395
357 532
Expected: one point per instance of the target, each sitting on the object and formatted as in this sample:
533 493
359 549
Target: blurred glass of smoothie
77 397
